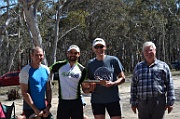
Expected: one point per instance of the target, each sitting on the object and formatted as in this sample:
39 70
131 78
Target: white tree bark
62 5
4 32
30 8
59 12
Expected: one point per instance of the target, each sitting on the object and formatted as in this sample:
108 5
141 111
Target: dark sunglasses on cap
97 47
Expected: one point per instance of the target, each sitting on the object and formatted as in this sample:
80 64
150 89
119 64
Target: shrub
13 94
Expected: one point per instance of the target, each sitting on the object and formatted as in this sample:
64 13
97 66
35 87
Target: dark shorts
113 108
70 108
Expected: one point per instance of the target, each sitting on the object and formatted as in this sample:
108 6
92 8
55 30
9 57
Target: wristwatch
49 105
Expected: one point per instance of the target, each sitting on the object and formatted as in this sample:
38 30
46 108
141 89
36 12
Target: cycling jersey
70 78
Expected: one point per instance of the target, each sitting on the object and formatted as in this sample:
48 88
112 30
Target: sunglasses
97 47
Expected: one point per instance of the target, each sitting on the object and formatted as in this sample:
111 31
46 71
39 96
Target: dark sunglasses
96 47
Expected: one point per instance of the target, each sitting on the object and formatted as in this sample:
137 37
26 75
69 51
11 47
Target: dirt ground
124 95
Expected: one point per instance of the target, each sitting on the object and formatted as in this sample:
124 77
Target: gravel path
124 94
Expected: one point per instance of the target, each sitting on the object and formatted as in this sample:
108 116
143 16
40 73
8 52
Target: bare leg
116 117
99 116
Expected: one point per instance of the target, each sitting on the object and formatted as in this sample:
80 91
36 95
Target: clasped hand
106 83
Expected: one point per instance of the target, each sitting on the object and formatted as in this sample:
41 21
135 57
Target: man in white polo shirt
71 75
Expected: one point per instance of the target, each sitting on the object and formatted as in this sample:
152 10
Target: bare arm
89 87
48 98
48 88
28 99
119 81
48 92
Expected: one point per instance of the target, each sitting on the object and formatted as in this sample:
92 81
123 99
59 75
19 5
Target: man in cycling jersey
71 75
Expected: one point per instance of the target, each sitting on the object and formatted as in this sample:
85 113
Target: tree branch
69 31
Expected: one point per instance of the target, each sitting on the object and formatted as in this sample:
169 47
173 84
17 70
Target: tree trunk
30 8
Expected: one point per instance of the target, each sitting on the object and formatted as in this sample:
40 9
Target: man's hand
88 87
170 108
106 83
102 82
46 112
134 109
38 112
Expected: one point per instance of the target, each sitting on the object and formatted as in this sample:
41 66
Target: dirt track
124 94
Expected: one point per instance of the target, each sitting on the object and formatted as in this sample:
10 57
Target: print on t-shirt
103 73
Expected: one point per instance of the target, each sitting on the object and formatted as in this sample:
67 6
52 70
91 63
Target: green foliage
124 24
77 17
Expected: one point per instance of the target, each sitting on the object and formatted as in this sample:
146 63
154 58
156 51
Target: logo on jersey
103 73
70 74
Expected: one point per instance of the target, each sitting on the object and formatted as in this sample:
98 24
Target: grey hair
35 48
147 44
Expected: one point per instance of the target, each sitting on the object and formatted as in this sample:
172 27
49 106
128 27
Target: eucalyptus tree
109 20
106 19
151 19
9 35
6 43
61 12
171 13
30 13
165 22
30 8
124 24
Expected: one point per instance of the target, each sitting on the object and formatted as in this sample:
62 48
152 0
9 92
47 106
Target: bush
13 94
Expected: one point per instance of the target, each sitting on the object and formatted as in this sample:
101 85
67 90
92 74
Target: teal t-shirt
36 80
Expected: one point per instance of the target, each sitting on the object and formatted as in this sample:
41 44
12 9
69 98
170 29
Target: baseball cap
99 41
75 47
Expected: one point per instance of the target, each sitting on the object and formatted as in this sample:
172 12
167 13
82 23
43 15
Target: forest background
56 24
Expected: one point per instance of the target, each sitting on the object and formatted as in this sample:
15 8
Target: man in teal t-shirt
35 86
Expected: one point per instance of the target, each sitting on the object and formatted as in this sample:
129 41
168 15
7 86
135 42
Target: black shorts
112 108
70 108
28 112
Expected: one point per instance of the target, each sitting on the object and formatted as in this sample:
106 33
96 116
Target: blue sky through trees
12 3
3 5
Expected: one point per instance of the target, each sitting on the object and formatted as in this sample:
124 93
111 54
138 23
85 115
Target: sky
2 4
